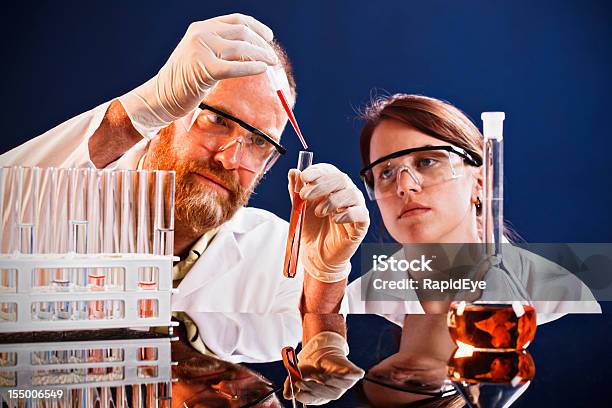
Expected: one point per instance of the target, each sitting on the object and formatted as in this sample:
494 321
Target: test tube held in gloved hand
292 250
293 371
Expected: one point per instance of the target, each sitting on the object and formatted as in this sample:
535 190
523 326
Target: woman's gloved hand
219 48
335 221
326 370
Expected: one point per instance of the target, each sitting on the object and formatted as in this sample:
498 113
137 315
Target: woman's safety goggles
255 151
422 166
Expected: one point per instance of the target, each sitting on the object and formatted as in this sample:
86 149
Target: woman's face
445 212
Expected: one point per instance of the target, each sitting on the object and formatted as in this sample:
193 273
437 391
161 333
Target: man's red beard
198 206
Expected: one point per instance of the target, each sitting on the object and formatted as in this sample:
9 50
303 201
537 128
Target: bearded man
212 115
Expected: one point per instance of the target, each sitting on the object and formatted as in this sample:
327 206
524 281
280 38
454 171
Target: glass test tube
163 239
96 356
78 229
146 280
165 395
61 280
48 243
6 275
4 209
58 181
292 249
127 216
27 200
107 213
45 209
96 196
143 222
137 397
163 234
26 205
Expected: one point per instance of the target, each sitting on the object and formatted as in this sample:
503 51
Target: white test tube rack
24 296
26 372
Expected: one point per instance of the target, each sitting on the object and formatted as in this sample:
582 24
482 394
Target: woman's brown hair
431 116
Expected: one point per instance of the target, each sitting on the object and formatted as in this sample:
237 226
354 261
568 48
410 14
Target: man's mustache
228 179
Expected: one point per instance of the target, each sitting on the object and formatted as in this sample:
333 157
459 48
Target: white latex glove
327 373
335 221
219 48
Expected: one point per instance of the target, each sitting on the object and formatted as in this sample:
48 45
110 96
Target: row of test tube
99 309
152 395
52 210
131 369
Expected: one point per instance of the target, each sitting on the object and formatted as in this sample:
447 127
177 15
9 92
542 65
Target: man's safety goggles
256 150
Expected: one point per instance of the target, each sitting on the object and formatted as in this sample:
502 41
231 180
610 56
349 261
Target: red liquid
291 364
292 119
494 326
147 353
96 307
493 367
146 307
96 356
292 250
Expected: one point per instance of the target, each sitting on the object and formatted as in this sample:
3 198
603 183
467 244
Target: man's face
212 185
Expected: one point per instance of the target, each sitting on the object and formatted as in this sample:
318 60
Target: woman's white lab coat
538 276
240 272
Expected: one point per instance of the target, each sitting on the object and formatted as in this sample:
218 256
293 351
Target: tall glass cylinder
493 191
494 204
496 313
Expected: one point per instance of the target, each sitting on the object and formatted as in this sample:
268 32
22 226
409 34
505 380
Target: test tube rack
30 371
18 302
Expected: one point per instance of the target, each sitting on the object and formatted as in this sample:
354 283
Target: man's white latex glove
219 48
335 221
327 373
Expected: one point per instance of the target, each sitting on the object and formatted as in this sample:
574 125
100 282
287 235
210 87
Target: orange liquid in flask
492 326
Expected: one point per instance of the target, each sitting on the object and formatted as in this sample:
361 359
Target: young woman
422 161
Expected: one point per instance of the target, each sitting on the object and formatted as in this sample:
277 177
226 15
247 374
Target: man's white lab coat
240 272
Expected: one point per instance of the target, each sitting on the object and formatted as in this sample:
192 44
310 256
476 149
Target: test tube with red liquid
97 280
147 281
292 250
293 370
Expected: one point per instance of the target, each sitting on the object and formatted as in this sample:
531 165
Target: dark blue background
547 64
572 358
